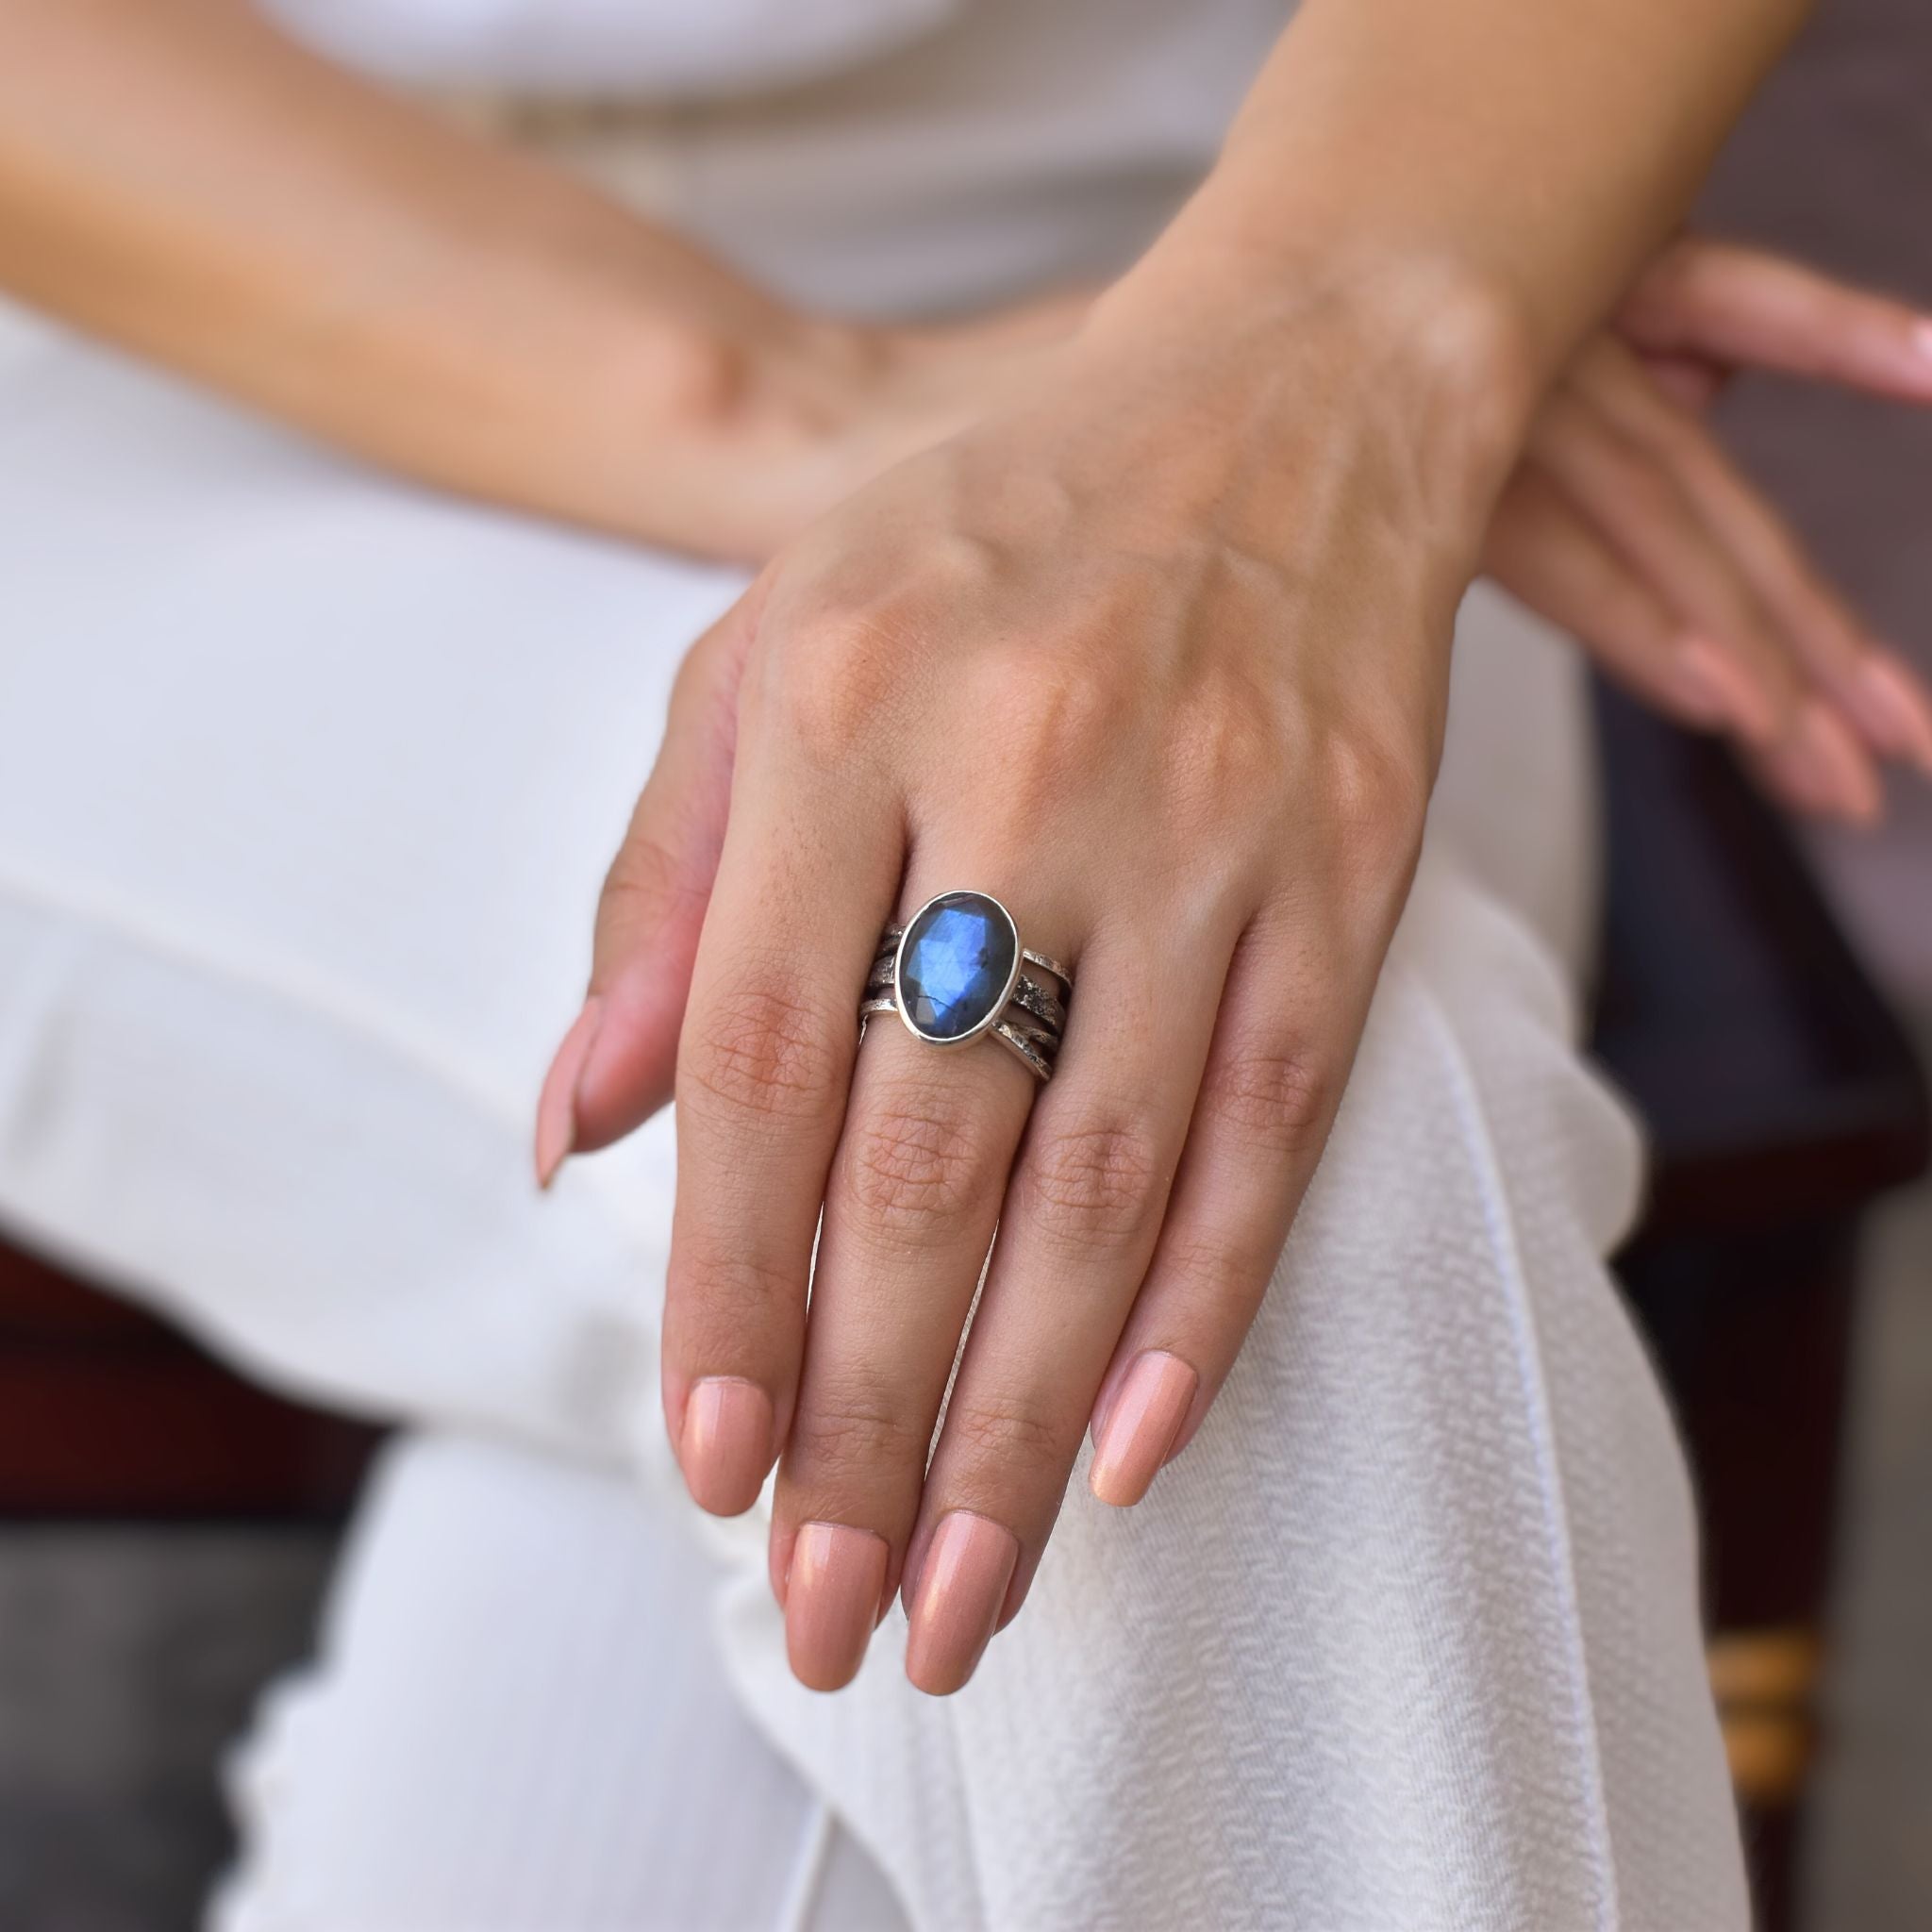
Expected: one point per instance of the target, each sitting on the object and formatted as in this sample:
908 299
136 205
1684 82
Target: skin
1187 552
1193 590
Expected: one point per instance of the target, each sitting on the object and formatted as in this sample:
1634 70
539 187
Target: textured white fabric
302 807
306 784
517 1723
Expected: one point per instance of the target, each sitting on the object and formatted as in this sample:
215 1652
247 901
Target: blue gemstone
955 962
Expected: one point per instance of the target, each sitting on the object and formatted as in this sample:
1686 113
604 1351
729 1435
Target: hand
847 402
1604 528
1157 655
1628 526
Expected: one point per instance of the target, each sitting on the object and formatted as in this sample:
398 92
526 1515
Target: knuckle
822 688
1278 1098
728 1292
1225 1271
645 879
1096 1181
1222 754
913 1168
761 1049
1056 713
1007 1434
836 672
1379 792
857 1428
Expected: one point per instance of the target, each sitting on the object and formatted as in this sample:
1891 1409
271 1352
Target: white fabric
1020 143
517 1723
302 807
306 784
662 51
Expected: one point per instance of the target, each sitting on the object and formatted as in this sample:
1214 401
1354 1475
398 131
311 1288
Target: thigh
517 1723
307 784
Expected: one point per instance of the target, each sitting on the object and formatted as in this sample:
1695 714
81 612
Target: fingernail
556 1106
726 1445
1824 745
832 1601
1140 1427
1893 706
1733 694
962 1586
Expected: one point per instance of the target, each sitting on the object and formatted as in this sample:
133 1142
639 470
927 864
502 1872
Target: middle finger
1081 1220
910 1207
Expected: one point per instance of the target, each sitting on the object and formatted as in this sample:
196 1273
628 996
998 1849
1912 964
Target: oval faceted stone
955 963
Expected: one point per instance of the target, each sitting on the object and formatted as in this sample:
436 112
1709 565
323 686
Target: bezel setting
990 1019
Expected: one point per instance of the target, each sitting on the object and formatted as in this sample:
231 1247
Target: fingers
1273 1079
1079 1227
614 1067
1552 557
1641 509
1722 302
1872 689
805 881
1645 476
911 1207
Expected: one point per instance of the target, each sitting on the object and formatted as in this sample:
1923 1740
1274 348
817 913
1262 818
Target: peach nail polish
1827 748
1894 708
1726 689
1142 1426
832 1601
556 1106
962 1586
726 1445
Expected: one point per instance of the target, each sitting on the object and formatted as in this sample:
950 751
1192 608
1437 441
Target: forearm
1492 171
184 182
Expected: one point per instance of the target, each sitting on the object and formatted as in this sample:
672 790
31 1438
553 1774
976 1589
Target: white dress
307 781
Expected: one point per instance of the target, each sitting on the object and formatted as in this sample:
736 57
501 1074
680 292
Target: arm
1522 161
185 182
1157 654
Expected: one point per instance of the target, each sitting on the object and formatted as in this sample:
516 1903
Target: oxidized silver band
956 971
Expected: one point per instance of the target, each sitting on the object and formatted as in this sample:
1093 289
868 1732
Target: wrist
1436 358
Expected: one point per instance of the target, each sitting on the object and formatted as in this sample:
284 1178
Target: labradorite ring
957 972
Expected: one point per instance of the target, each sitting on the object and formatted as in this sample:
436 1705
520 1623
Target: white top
892 156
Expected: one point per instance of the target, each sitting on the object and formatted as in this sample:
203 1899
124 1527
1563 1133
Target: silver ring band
955 971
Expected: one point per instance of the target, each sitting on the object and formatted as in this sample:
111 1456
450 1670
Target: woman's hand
1156 656
1038 661
1623 522
1628 524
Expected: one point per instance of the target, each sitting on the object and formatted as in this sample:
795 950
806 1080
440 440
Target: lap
515 1721
306 784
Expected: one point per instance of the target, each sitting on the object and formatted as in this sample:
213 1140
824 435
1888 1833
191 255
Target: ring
955 970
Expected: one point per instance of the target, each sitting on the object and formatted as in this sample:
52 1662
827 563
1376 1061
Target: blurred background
165 1531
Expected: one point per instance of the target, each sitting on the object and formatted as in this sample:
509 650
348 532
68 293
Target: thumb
615 1066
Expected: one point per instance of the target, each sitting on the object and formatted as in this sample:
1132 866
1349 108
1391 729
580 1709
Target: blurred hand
1628 526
